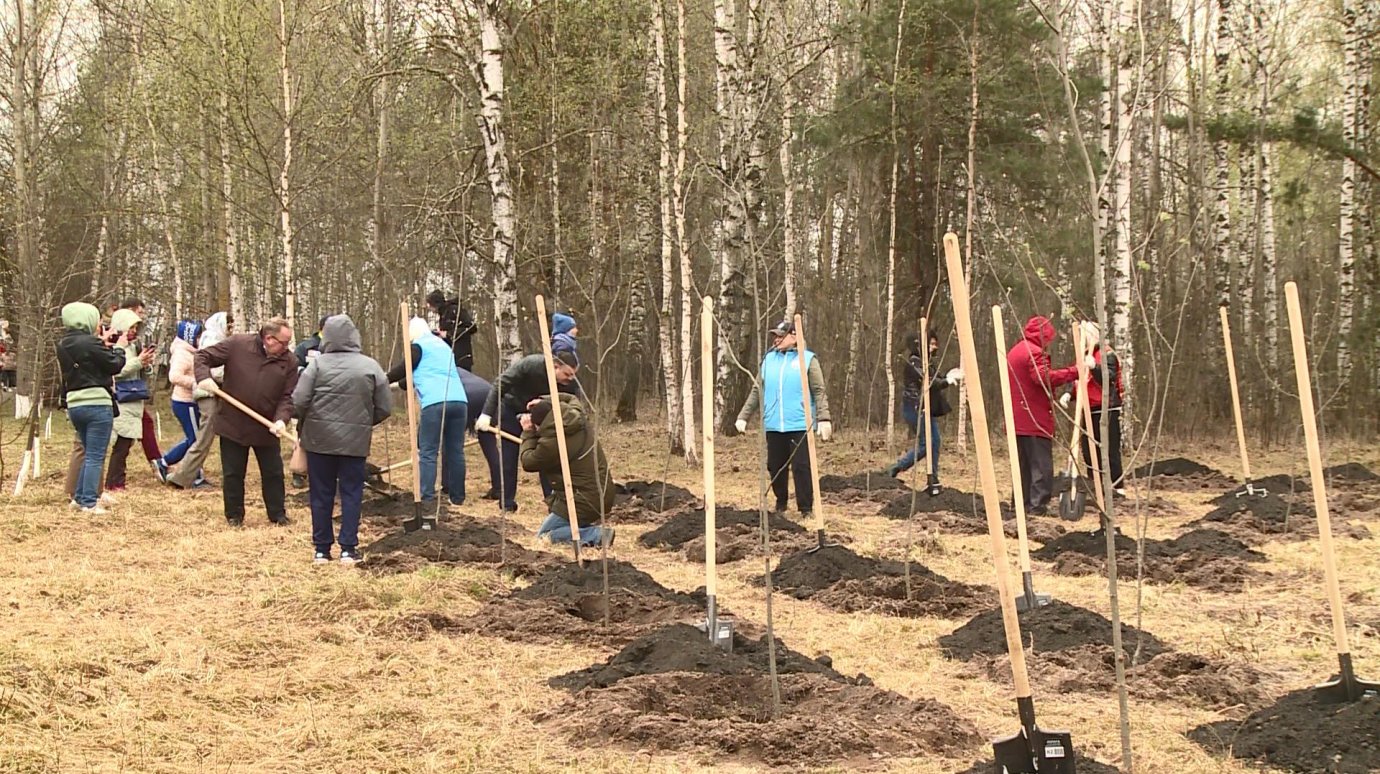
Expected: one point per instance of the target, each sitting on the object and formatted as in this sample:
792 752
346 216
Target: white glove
483 423
1090 363
1065 399
740 426
954 376
826 430
278 428
208 386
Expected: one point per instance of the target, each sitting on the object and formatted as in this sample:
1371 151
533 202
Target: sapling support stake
922 430
1249 489
808 405
1346 686
1029 600
1084 349
1031 750
707 424
1074 500
554 389
419 520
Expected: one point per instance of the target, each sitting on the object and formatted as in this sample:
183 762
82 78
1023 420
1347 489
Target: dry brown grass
158 640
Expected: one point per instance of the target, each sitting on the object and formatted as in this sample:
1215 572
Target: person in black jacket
310 347
912 405
522 384
89 363
456 326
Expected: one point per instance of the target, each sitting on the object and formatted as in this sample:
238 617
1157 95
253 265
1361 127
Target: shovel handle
1094 447
809 426
1009 412
1315 469
707 423
1235 395
249 412
972 382
503 435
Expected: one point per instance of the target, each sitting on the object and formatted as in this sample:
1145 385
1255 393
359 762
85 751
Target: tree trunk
788 224
489 77
733 215
284 172
854 276
1222 246
1346 276
665 336
1125 101
970 194
381 34
891 233
687 279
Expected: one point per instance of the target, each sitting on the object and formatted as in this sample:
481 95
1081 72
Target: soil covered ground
1258 518
1183 475
1058 626
656 496
1204 558
1302 733
960 513
737 534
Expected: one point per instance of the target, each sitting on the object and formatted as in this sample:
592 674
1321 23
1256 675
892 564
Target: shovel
419 520
1030 750
809 432
720 630
249 412
552 386
1250 489
1028 600
1346 686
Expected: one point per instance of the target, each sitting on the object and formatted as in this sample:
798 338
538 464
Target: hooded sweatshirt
129 422
1032 380
217 330
88 365
561 337
342 394
180 361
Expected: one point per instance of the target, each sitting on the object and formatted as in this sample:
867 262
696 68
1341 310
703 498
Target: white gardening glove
1065 399
278 428
208 386
483 423
1090 363
740 426
954 376
826 430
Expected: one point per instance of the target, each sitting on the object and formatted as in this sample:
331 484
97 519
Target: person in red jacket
1032 383
1100 400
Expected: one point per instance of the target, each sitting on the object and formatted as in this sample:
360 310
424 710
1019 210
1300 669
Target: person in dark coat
522 383
590 480
1032 381
88 363
261 373
455 327
1101 399
339 398
477 392
310 347
912 405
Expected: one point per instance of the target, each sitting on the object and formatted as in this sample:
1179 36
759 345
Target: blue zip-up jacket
778 393
436 378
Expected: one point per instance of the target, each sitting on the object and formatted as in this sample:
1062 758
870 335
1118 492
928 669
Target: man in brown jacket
261 373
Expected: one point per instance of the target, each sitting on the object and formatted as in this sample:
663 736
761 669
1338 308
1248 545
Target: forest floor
157 639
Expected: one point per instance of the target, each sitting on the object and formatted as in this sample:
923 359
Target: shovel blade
1025 603
1072 503
1043 752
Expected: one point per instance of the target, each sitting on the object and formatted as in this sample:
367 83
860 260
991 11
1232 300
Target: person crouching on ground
523 382
1100 399
88 364
589 470
777 392
341 395
260 372
1032 380
912 406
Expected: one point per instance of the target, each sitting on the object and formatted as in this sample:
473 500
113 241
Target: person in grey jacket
341 395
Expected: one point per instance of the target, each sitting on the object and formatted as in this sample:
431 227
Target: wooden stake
707 424
925 394
991 498
554 389
1095 457
809 428
412 411
1017 488
1235 397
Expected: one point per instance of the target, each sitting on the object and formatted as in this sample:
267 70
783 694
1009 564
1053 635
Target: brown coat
259 381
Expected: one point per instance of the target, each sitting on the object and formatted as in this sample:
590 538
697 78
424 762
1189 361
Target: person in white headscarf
188 471
444 412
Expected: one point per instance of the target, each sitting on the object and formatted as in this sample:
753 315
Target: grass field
156 639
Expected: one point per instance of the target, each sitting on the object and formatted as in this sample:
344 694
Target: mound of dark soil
970 519
1085 765
1351 472
566 603
1057 626
463 541
1299 733
822 721
656 496
688 525
1204 558
1254 517
1182 474
872 486
842 580
685 648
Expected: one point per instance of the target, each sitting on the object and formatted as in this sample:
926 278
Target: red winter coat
1032 380
1095 383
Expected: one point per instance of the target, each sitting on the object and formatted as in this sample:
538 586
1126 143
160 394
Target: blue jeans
189 416
559 530
328 473
449 441
911 414
94 425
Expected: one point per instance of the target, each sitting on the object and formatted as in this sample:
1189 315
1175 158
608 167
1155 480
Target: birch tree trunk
732 206
285 171
1125 100
788 224
1264 194
666 339
1346 276
891 234
850 378
687 279
488 73
381 35
1222 246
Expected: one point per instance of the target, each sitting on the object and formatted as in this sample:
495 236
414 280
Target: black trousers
1036 456
1114 444
785 449
234 462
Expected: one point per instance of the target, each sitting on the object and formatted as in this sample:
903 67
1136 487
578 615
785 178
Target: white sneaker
95 510
73 504
108 499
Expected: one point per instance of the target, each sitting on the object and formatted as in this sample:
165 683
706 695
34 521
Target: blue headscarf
190 331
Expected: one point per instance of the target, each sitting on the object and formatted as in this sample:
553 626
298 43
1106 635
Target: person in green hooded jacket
589 470
89 358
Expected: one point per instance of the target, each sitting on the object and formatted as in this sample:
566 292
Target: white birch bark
1346 256
891 232
970 214
1222 258
788 216
687 279
380 35
1125 100
729 240
665 335
285 171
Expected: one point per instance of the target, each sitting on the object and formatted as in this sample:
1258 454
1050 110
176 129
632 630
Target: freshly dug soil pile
1181 474
656 496
1273 516
842 580
1166 677
1300 733
950 500
822 721
739 541
688 525
1351 472
1205 558
872 486
685 648
1085 765
966 520
463 541
566 603
1057 626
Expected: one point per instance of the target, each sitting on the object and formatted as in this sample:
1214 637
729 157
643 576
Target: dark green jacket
589 468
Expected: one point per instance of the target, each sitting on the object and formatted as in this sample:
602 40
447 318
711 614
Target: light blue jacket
435 378
778 393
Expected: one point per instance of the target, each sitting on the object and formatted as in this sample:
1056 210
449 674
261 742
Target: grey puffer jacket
341 395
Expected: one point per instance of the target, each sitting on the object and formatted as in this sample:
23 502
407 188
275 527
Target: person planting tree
777 392
912 404
1032 381
523 382
89 358
1100 399
589 470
